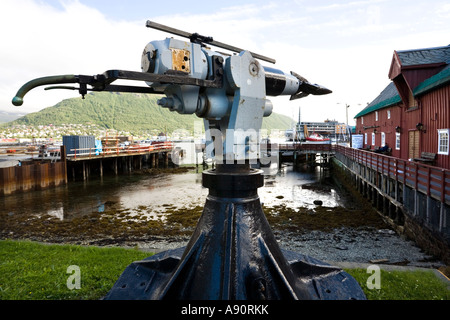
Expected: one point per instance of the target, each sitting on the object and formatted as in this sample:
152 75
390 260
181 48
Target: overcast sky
346 46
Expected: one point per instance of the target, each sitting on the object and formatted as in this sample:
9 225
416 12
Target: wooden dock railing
430 180
84 153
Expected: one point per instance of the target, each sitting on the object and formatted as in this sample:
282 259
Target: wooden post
153 155
196 161
63 157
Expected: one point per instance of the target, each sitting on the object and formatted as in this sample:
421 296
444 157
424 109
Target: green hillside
124 111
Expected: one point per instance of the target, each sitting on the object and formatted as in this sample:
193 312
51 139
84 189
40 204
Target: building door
413 144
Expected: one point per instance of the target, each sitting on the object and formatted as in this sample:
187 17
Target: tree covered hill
135 113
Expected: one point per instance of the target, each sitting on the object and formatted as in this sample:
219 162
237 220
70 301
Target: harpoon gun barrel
281 83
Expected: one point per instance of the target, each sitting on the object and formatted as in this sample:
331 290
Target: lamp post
346 120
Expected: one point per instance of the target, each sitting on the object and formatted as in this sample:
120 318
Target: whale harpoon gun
232 254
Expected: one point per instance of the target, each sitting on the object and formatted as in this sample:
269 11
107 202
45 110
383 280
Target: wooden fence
430 180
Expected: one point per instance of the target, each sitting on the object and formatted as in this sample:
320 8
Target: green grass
402 285
34 271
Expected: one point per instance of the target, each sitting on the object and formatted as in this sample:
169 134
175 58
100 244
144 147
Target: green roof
384 104
389 96
433 82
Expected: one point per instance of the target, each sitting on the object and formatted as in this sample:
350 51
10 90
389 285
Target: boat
315 137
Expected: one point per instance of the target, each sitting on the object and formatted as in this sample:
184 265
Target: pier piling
413 198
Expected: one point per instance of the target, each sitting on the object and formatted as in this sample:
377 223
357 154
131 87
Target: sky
346 46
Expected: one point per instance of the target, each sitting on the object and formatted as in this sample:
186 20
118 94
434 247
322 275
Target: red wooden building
412 114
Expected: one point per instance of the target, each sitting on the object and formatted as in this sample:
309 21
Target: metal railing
118 151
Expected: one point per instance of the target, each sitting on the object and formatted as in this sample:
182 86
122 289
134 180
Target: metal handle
18 99
195 37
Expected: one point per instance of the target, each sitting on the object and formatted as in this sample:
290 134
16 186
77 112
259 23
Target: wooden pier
413 197
304 153
82 163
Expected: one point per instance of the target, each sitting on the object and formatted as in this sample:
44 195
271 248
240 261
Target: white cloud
346 46
44 41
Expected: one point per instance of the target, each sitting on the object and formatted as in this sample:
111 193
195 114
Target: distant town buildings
23 133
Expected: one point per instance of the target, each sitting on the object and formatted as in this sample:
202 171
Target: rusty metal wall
32 176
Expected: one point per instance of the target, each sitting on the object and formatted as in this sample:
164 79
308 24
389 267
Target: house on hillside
412 114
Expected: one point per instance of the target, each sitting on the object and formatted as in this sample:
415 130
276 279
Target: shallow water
299 189
293 189
281 187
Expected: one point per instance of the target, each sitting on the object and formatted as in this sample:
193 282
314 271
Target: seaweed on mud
322 218
144 222
171 222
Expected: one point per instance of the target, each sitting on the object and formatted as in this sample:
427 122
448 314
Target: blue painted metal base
233 255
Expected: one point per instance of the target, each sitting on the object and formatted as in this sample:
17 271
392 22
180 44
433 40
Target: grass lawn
34 271
403 285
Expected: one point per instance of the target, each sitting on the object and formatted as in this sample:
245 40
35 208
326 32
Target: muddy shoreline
354 233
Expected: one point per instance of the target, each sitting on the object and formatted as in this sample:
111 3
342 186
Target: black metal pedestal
233 255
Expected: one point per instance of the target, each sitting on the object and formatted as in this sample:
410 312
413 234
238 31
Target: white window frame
389 114
365 138
376 115
383 140
397 141
443 142
362 120
373 138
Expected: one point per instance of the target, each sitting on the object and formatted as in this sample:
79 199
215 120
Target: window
397 141
365 138
376 115
383 139
362 120
412 102
389 114
373 139
443 141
